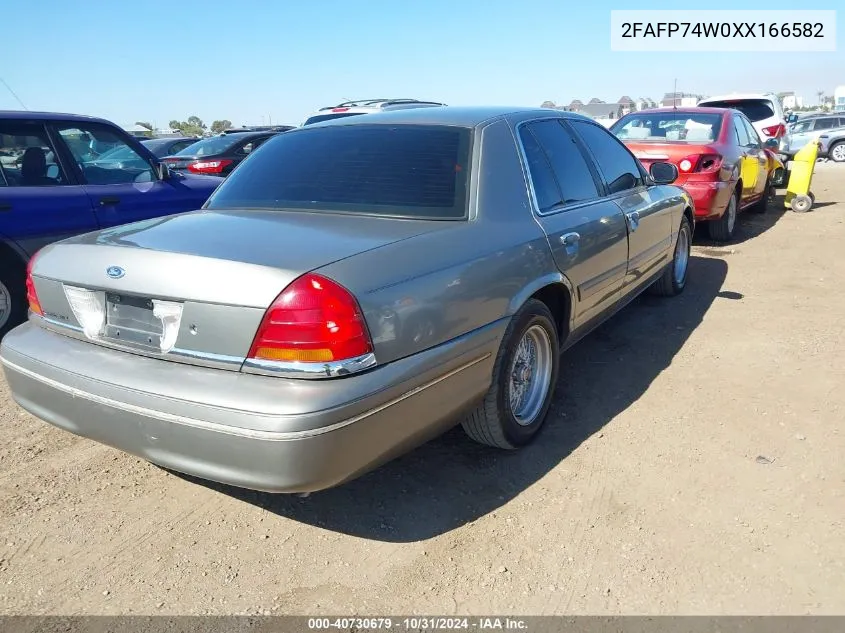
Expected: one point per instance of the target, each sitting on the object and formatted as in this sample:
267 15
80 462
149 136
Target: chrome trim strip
272 436
333 369
177 354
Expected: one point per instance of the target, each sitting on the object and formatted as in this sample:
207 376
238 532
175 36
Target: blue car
54 184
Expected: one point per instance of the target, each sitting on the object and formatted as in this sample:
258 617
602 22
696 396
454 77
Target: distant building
680 100
839 99
599 110
645 103
790 101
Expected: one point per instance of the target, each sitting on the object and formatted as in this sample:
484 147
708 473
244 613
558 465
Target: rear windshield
411 171
754 109
210 146
317 118
683 127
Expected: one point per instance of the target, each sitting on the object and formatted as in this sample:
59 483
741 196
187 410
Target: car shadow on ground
451 481
751 225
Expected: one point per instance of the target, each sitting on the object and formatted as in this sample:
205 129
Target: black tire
13 306
493 422
721 230
838 156
762 205
801 204
670 284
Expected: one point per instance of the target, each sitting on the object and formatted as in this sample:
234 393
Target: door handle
570 242
108 201
633 219
5 206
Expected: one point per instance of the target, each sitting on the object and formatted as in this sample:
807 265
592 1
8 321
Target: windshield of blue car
319 118
212 146
408 171
668 127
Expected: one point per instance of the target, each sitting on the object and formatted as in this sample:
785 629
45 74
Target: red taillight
775 131
700 164
314 320
209 166
31 295
339 109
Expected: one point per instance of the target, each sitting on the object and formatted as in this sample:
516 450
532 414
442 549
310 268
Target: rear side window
573 175
741 133
27 157
412 171
754 109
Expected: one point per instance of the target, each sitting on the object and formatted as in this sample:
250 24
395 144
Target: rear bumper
321 433
710 198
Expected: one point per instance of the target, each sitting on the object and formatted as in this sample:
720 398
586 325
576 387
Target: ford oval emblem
115 272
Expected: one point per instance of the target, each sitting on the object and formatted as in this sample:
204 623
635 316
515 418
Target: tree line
193 126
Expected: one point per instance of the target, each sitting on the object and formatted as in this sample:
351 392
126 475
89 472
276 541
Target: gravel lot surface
693 463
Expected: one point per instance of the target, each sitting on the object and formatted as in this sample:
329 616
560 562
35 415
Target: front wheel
524 378
836 153
674 278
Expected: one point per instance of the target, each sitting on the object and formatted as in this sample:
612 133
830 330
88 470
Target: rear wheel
723 229
524 378
836 153
674 279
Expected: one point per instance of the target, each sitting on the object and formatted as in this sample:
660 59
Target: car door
749 171
40 202
586 232
125 194
648 216
758 154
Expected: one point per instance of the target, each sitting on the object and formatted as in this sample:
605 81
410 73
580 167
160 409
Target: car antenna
675 95
17 98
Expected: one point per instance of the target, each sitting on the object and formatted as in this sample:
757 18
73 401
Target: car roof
29 115
459 116
741 96
685 110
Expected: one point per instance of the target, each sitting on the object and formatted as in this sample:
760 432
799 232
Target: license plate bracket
130 320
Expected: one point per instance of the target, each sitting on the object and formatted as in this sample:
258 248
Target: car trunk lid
182 288
677 153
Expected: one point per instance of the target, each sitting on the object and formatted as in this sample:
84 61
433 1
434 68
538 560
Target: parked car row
722 161
352 289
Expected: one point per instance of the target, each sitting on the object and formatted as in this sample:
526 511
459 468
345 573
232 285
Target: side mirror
164 172
663 173
772 144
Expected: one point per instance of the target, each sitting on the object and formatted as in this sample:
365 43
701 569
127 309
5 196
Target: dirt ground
693 463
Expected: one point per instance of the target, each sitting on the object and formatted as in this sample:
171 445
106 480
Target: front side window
413 171
90 143
570 168
617 164
802 126
27 157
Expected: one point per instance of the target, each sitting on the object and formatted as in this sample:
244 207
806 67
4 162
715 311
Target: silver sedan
355 288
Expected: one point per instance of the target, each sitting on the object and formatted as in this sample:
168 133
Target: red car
721 160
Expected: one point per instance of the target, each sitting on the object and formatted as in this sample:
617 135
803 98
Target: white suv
763 110
367 106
